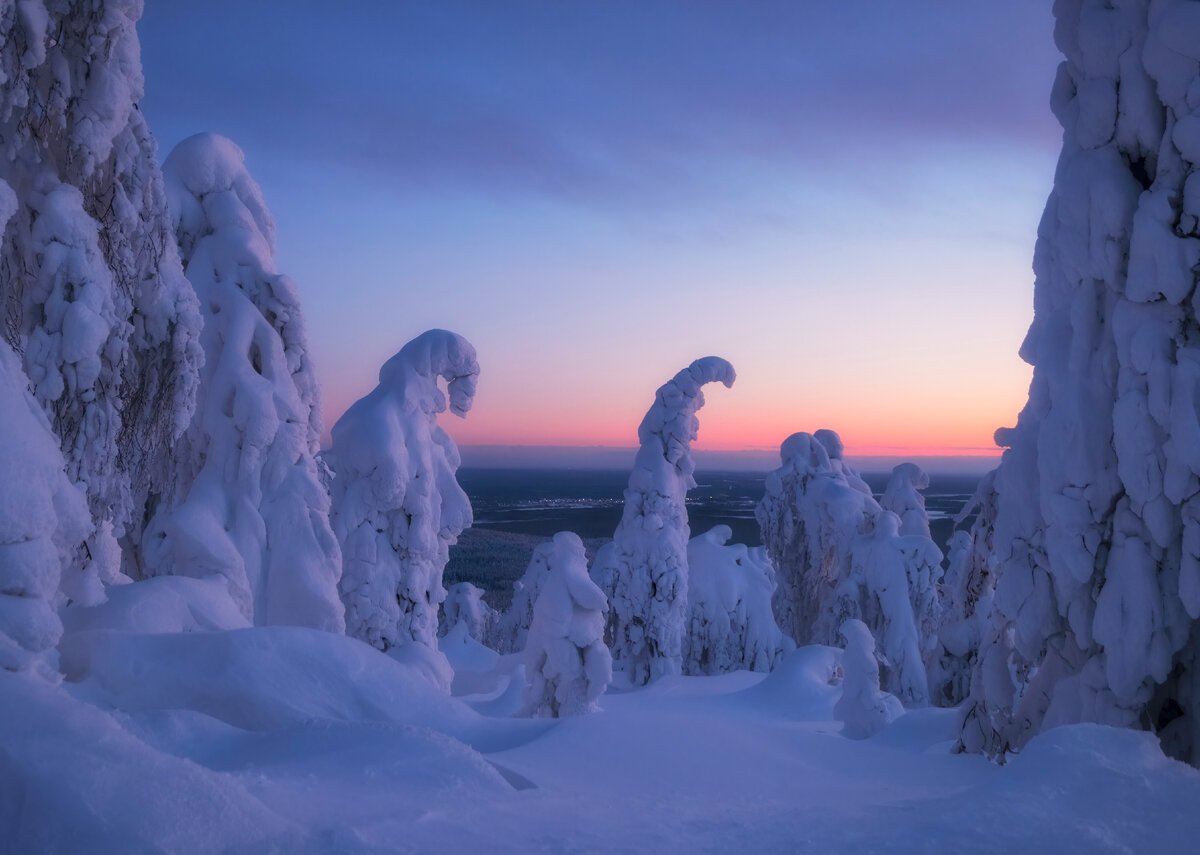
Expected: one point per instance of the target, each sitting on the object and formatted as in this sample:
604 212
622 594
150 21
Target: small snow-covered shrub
730 625
397 507
903 497
512 627
863 709
647 564
566 661
464 604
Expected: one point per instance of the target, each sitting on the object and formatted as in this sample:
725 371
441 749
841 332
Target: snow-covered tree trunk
566 660
92 294
397 507
512 627
43 519
966 597
247 501
730 622
809 516
1097 533
648 559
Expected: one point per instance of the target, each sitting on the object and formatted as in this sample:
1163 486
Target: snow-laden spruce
512 627
892 588
903 497
647 563
730 623
863 708
248 502
43 519
809 516
464 604
94 297
397 507
966 598
566 661
1097 532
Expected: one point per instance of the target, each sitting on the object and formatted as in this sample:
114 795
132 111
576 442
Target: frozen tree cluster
1097 530
247 502
646 566
566 660
397 507
730 623
93 297
839 555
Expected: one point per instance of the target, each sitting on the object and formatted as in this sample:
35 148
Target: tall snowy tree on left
247 501
92 294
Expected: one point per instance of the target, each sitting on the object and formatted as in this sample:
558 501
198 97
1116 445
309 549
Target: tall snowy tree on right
1096 614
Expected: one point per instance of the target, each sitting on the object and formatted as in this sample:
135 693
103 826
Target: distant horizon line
961 460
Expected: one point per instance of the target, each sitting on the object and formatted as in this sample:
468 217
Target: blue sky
841 198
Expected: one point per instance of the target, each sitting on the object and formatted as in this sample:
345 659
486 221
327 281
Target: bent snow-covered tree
397 507
863 708
248 502
730 623
566 660
648 558
1097 532
464 604
91 289
903 497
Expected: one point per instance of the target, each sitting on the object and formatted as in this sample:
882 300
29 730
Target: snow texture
512 627
730 623
1097 531
397 507
248 503
91 288
464 604
43 519
863 709
647 564
566 661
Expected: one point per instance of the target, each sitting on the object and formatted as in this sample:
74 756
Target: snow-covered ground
293 740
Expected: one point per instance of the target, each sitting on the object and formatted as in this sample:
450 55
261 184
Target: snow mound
161 604
804 686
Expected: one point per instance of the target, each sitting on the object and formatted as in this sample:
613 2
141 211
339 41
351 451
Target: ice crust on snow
397 507
567 663
247 502
730 622
645 570
1098 522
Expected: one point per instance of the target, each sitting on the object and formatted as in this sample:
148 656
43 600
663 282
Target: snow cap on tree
512 627
397 507
648 560
903 498
464 604
566 662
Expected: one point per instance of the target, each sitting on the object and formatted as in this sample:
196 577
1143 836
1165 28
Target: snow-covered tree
92 293
512 627
248 502
863 709
903 497
809 517
566 661
43 519
892 588
397 507
1097 531
464 604
730 622
647 564
966 598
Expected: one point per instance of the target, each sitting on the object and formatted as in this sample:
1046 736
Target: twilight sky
839 197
